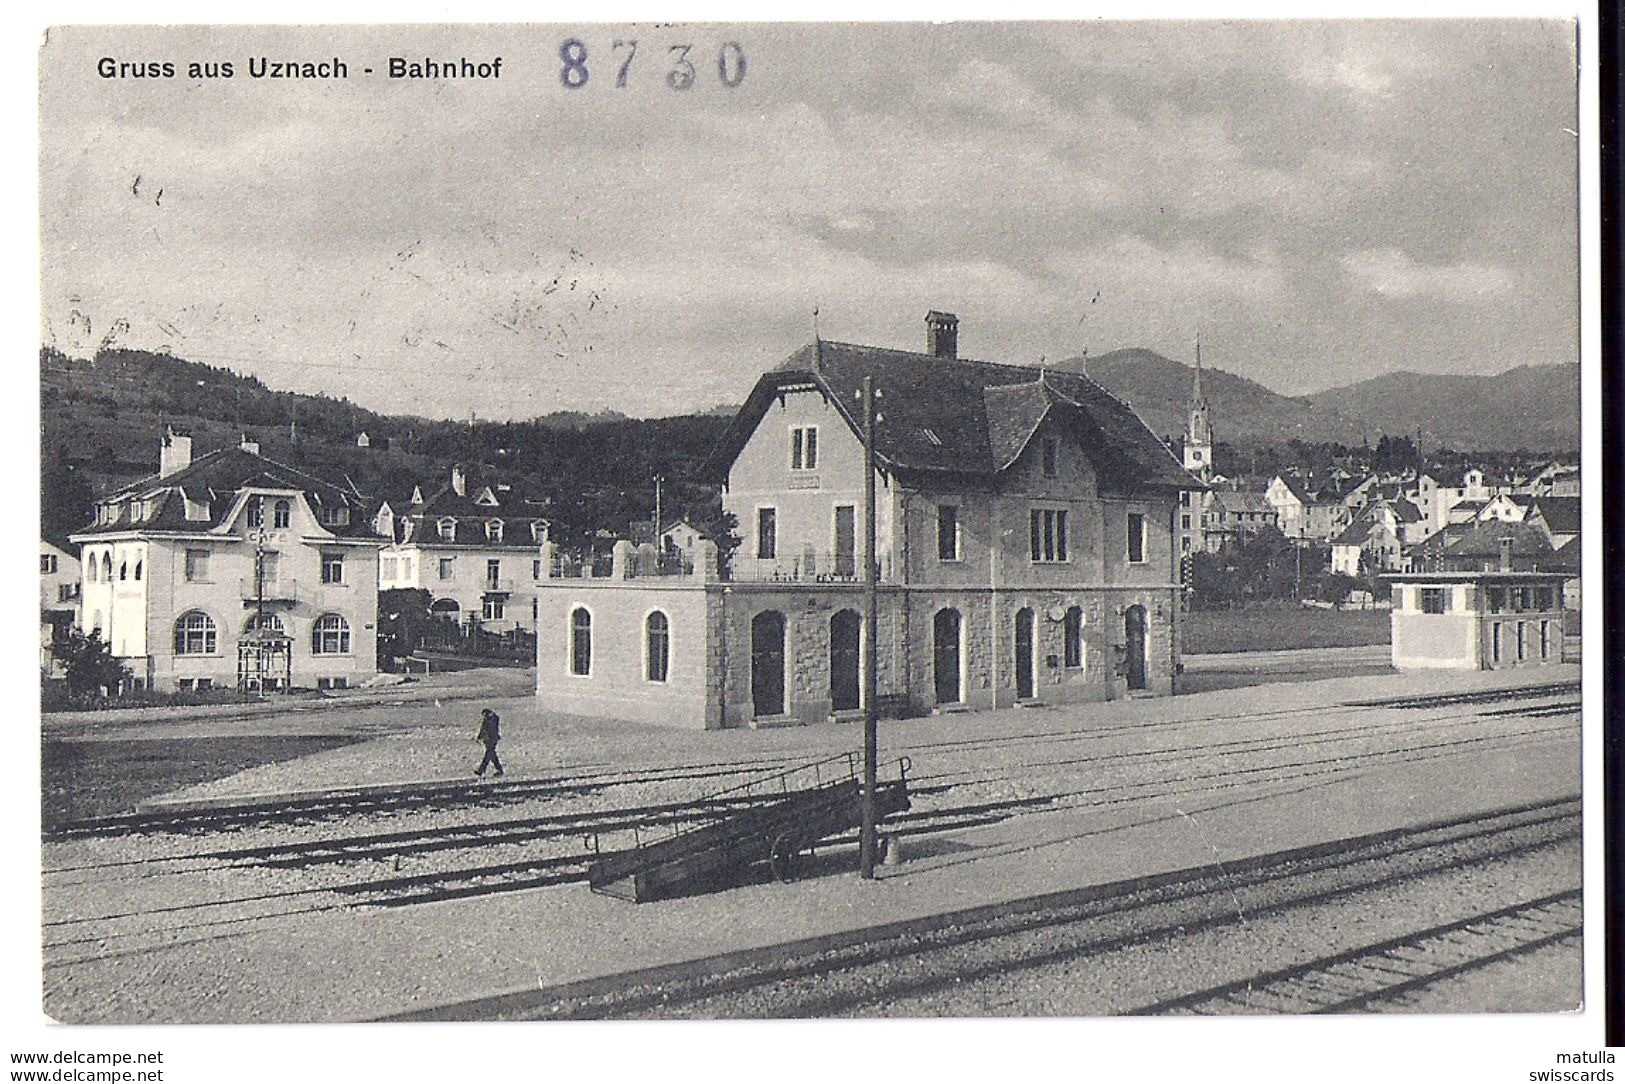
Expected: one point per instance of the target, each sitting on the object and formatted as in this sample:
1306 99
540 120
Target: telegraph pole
871 620
658 480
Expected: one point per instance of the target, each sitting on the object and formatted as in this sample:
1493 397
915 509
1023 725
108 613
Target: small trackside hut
1026 548
1476 620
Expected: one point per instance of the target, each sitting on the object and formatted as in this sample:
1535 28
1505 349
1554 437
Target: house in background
474 545
1554 478
1234 517
1558 517
232 570
1027 549
1303 514
58 597
1506 508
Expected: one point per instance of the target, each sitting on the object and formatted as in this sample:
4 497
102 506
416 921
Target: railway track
1389 972
348 804
560 859
869 969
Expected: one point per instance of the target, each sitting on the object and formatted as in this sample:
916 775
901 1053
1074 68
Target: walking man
489 735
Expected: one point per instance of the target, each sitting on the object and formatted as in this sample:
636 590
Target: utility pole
871 619
658 480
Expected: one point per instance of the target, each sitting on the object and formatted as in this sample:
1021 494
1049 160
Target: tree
403 615
89 664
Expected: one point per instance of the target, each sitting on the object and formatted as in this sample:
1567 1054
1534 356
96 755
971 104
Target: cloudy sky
1323 201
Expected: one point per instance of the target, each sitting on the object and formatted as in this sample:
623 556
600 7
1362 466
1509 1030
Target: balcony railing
805 567
271 590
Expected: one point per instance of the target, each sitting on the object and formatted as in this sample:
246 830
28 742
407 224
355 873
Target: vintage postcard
734 521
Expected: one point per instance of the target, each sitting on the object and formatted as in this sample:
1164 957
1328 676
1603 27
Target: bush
57 696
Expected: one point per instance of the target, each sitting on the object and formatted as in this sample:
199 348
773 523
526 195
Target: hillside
1532 407
101 419
1243 410
100 422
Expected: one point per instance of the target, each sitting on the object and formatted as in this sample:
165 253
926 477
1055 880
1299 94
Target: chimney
459 480
941 334
1506 553
252 447
174 453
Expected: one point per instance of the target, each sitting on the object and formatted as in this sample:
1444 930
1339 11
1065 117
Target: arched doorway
1134 646
1026 673
845 660
767 663
945 656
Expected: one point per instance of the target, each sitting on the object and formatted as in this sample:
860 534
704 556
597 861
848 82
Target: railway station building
1027 551
232 570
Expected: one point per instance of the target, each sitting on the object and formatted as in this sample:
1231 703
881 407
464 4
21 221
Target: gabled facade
1027 548
1302 514
475 546
198 575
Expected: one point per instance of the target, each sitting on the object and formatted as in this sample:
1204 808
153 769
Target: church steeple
1198 427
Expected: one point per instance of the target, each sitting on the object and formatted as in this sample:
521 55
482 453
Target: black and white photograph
722 521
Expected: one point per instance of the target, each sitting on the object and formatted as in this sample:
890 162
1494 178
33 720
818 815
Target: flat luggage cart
791 812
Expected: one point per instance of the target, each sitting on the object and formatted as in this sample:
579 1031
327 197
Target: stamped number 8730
679 76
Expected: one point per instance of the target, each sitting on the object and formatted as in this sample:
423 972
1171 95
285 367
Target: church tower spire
1198 426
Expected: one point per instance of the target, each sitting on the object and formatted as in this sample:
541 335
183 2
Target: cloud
1393 273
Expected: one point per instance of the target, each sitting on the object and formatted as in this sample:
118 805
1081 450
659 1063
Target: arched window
657 641
493 530
90 570
330 635
124 569
282 513
1074 638
256 512
264 623
195 634
580 641
107 567
138 563
447 526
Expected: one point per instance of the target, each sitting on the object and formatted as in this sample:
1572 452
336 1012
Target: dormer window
493 530
337 516
256 512
447 527
538 530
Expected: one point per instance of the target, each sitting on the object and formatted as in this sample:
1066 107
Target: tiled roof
1484 540
959 417
214 479
1562 514
1406 512
1243 501
470 517
1295 486
1355 534
1567 557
